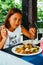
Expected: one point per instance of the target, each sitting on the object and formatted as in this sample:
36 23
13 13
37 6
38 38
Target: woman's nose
17 22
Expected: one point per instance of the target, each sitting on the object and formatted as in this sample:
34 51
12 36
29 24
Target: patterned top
13 37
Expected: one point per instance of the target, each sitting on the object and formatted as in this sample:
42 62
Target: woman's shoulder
18 28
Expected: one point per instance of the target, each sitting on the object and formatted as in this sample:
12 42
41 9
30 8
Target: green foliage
39 25
5 5
40 13
40 10
39 0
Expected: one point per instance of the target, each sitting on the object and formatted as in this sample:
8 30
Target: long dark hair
10 13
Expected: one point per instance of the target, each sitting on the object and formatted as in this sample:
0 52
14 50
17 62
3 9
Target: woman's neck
11 29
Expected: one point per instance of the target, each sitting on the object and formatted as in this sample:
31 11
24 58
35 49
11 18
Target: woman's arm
30 34
3 37
2 42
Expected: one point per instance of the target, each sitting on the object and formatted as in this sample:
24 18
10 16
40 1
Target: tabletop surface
8 59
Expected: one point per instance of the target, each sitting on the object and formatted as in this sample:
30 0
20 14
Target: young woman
10 32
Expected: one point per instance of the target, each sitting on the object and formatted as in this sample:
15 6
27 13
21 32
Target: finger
4 31
32 33
3 27
33 30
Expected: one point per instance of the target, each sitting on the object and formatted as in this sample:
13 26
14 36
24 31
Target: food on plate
27 49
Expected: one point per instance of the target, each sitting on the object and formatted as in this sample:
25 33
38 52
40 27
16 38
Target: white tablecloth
7 59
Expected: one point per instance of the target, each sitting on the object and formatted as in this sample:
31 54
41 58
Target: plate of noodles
27 49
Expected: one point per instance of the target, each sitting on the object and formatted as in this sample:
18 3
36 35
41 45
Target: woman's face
15 20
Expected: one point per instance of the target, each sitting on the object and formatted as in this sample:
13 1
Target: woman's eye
15 18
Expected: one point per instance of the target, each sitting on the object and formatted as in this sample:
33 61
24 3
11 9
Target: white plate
14 48
31 41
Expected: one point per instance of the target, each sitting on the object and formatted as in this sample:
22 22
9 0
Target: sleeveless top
13 37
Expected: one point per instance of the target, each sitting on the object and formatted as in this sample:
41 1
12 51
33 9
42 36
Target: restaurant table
8 59
34 59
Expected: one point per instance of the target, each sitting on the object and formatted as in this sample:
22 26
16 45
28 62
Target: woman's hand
33 31
31 34
4 33
3 36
